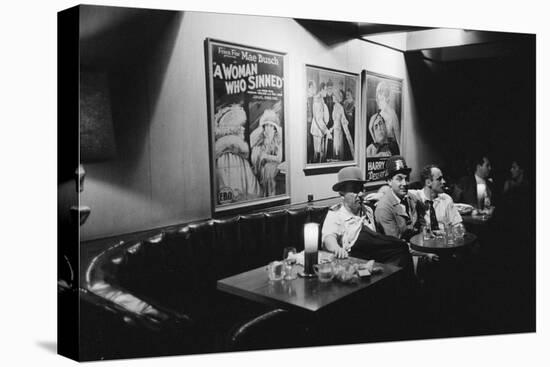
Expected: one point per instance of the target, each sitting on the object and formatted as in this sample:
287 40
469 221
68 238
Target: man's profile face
437 183
398 184
351 194
515 170
485 169
379 130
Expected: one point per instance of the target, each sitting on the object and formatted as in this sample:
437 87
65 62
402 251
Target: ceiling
436 44
117 36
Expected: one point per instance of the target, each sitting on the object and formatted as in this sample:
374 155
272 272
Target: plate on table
464 209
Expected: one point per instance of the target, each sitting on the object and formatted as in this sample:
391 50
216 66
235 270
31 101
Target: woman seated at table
516 182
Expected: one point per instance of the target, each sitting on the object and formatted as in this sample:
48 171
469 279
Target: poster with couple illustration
383 122
246 94
332 110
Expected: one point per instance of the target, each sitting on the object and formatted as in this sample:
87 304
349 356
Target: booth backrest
178 268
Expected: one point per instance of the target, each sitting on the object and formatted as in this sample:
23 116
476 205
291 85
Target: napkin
365 270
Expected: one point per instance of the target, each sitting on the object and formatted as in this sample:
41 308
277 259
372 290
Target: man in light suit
396 212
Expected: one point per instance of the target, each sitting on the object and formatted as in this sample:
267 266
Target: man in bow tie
349 226
439 207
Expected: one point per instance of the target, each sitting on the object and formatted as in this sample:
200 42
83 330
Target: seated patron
477 189
397 212
349 227
517 204
439 207
516 182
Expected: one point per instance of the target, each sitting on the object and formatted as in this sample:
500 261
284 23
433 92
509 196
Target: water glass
426 233
289 260
325 272
275 270
459 231
439 233
449 234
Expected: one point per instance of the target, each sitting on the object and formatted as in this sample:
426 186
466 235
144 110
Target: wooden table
439 245
299 294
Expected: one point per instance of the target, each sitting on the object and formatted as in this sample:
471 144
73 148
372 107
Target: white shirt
346 226
481 188
445 210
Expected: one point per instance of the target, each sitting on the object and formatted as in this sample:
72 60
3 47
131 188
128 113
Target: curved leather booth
167 282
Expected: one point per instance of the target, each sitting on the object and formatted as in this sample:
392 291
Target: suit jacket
393 219
466 191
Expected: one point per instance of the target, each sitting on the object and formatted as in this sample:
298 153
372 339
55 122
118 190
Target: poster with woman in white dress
247 125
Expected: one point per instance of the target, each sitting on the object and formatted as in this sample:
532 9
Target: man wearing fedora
396 212
349 227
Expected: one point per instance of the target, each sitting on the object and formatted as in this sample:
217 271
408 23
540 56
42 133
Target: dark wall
478 105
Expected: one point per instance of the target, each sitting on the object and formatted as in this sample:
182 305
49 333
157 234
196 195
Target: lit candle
311 237
311 243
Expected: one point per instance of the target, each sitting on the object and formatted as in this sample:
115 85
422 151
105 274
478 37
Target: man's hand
432 257
374 196
340 253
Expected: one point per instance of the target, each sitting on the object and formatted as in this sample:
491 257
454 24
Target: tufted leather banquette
170 278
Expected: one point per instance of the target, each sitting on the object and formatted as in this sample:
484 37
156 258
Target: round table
476 219
439 245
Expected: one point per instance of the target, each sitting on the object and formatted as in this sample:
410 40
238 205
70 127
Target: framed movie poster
246 101
383 108
332 113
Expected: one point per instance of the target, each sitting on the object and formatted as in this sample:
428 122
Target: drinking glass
459 231
325 272
449 234
289 262
426 233
441 232
275 270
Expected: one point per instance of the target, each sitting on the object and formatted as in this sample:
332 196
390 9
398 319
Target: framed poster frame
390 114
247 100
325 125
